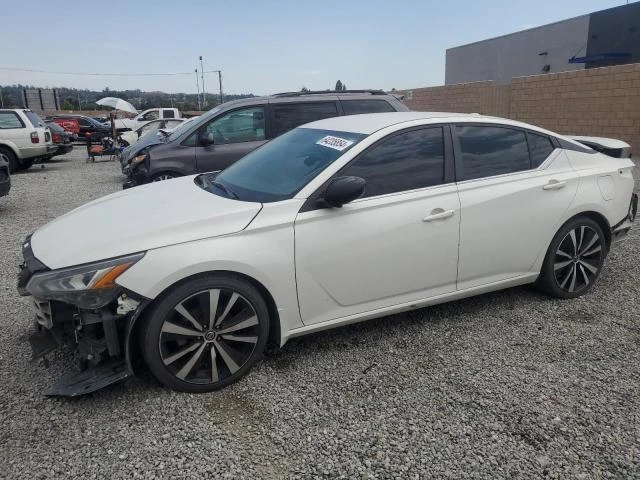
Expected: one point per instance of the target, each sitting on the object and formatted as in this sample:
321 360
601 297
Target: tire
159 177
26 164
574 259
11 157
181 341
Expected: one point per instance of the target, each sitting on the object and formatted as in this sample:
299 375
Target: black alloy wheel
574 259
206 334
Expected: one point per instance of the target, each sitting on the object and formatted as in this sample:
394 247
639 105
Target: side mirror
206 139
343 190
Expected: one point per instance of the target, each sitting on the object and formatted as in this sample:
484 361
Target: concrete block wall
599 101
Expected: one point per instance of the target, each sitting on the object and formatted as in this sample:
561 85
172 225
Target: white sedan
335 222
131 137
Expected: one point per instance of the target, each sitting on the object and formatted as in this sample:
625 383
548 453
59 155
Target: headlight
138 159
88 286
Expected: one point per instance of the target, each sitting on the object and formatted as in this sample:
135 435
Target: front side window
279 169
354 107
287 116
487 151
540 147
10 120
84 122
405 161
244 125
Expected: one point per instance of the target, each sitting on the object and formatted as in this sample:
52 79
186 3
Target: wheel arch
4 144
601 220
133 330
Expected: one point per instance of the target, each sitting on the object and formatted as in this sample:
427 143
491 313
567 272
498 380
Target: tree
344 87
338 86
304 89
67 105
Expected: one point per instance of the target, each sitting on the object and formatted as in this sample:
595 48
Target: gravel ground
506 385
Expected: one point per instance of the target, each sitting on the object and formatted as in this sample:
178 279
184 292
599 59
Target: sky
261 47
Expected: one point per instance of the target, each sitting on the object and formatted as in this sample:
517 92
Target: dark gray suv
228 132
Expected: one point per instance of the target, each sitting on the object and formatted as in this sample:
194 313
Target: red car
69 124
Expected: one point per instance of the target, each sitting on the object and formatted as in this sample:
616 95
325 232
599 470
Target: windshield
280 168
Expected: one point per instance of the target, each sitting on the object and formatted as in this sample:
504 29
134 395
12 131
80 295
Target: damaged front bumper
101 337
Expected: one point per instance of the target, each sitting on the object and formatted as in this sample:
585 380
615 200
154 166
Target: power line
30 70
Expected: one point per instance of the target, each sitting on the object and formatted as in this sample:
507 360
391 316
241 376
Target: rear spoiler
609 146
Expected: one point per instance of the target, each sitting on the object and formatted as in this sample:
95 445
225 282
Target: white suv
24 137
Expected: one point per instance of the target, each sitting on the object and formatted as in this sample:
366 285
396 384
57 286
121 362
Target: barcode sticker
336 143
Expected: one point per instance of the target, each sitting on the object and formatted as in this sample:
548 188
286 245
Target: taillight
57 138
34 137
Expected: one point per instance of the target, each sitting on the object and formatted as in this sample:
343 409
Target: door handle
439 214
554 185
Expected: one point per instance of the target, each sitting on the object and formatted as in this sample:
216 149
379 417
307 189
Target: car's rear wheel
574 260
11 158
206 333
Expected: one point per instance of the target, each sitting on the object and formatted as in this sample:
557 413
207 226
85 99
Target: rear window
54 127
10 120
34 118
540 147
168 114
354 107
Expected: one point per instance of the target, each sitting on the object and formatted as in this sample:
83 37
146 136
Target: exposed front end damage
100 336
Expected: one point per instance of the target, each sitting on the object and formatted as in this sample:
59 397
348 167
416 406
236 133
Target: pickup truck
24 137
126 124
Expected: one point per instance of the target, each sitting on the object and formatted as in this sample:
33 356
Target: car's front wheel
574 260
159 177
206 333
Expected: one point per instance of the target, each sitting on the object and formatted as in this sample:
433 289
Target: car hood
142 143
139 219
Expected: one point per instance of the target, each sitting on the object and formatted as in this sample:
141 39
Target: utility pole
198 88
220 80
1 98
79 103
204 96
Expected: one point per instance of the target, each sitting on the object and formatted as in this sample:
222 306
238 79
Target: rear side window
10 120
406 161
34 118
287 116
488 151
540 147
354 107
168 114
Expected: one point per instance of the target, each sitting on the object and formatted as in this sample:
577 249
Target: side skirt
403 307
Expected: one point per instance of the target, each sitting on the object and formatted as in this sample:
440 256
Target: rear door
13 129
234 134
514 188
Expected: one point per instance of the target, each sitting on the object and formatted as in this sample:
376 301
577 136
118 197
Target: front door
396 244
234 134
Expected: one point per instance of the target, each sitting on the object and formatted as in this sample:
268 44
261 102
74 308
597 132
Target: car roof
369 123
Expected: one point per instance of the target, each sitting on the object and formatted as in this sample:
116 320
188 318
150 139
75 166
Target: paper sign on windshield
336 143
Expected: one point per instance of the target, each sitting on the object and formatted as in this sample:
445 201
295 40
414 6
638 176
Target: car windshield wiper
229 193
